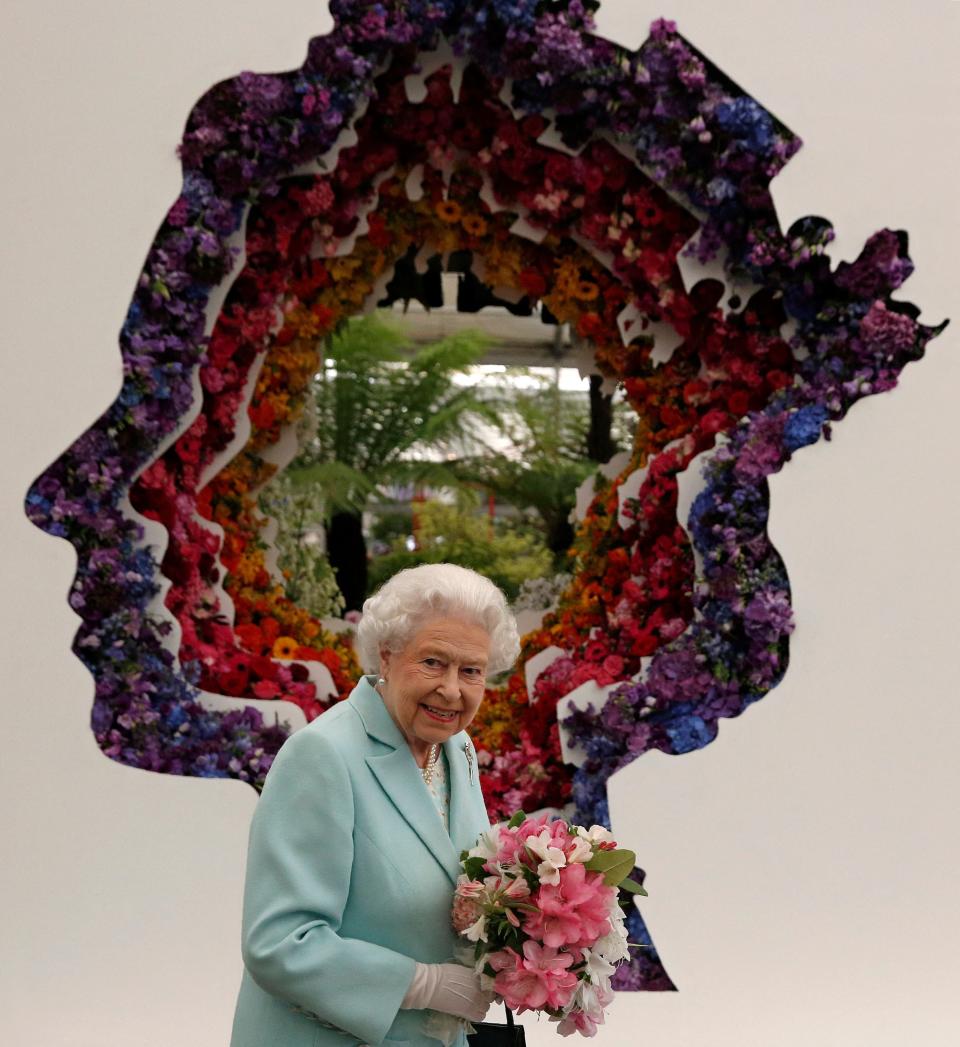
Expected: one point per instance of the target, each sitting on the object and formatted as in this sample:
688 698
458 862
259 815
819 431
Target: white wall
801 868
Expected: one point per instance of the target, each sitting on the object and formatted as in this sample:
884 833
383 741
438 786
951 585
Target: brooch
468 753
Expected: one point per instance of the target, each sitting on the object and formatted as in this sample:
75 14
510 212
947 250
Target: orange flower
448 211
474 224
284 647
589 325
587 291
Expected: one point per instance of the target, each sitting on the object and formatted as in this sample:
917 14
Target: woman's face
435 684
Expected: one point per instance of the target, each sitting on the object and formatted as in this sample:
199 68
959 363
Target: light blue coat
350 879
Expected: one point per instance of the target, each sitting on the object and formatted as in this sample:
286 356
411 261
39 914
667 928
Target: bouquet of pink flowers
538 897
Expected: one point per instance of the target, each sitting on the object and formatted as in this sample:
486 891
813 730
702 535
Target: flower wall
585 176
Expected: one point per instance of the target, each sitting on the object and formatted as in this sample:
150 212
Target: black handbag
492 1034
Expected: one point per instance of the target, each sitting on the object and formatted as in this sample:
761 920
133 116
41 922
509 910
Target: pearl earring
381 681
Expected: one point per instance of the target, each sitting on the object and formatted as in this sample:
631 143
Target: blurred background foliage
416 453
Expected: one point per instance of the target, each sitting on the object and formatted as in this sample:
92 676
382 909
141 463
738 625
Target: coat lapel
400 778
464 828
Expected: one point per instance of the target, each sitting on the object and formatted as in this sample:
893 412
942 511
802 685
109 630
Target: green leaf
473 867
615 865
517 820
632 886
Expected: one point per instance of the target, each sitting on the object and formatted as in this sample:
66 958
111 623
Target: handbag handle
509 1016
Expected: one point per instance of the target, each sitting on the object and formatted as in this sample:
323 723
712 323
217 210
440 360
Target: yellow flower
587 290
343 268
474 224
448 211
284 647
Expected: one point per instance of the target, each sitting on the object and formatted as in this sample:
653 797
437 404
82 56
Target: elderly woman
355 841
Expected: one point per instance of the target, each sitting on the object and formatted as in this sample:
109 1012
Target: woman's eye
432 663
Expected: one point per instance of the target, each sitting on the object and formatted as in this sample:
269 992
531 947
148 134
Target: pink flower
536 980
577 1021
509 846
518 888
469 888
465 913
613 665
574 912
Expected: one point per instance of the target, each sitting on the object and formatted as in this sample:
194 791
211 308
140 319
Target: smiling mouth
447 715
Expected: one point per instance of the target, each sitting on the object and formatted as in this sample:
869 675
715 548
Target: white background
802 869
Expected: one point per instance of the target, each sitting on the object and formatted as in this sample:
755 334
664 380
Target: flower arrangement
538 594
539 899
574 171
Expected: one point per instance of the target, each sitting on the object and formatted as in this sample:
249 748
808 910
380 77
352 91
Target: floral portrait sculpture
596 180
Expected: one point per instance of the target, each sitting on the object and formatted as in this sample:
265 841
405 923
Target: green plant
386 413
310 581
503 553
548 430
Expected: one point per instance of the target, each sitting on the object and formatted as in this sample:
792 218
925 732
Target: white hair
392 615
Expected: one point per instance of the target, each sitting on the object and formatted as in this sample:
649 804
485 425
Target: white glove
450 988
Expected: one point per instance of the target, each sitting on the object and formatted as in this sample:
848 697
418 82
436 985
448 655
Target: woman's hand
450 988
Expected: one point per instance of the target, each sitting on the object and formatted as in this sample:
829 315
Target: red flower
738 402
532 283
324 316
262 414
589 325
559 169
378 235
595 651
778 379
264 667
714 421
250 637
592 179
233 683
533 126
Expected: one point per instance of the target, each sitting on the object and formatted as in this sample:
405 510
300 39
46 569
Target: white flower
582 850
597 967
613 946
596 834
477 931
552 859
487 846
592 999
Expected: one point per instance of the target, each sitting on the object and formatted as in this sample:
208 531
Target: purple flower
768 615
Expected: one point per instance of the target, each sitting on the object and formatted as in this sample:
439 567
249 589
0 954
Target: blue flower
747 121
176 717
689 733
803 426
601 748
590 797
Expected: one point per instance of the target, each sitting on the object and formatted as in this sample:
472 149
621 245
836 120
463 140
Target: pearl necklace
431 765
